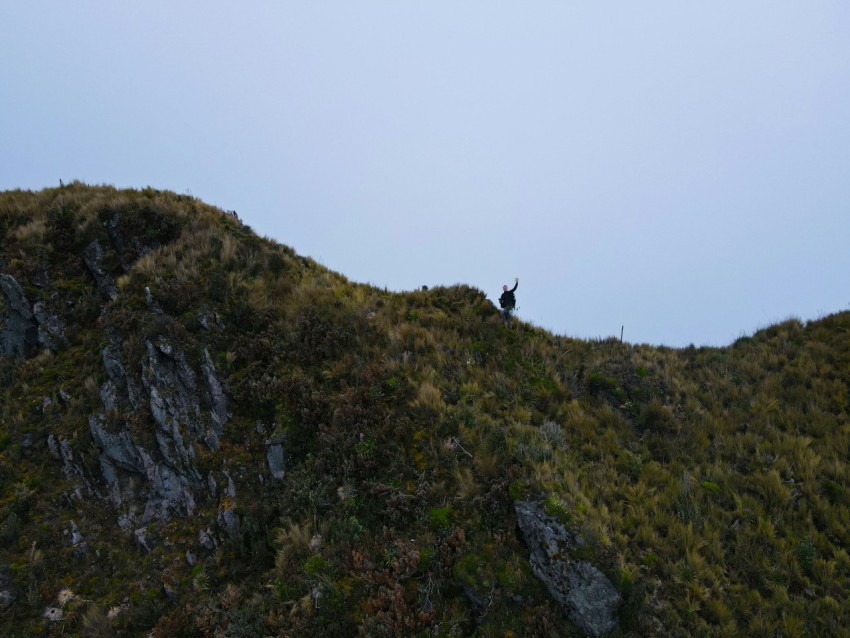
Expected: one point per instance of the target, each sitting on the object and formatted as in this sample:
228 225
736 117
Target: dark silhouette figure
508 302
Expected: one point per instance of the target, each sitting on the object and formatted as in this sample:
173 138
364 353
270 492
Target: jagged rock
53 447
141 536
116 449
274 455
206 538
167 492
209 319
230 490
171 386
159 483
7 595
584 593
119 389
229 522
93 259
73 472
215 398
167 473
68 459
19 334
109 395
51 330
76 539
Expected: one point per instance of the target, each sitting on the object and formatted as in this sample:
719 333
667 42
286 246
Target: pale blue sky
682 169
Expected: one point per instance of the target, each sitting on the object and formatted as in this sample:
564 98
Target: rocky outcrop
93 259
19 334
584 593
25 328
72 470
7 595
51 329
216 400
144 488
275 458
160 481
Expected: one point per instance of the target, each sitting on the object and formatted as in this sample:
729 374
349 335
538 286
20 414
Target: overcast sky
681 169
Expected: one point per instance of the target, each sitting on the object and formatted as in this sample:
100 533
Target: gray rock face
584 593
160 482
206 538
76 540
93 259
216 399
172 391
120 390
51 330
274 456
72 471
141 536
229 522
7 596
19 333
117 450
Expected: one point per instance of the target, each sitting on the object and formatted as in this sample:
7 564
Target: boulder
584 593
274 456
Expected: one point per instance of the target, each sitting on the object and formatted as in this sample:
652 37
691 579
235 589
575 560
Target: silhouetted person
508 302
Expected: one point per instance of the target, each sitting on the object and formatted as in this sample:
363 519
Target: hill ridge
202 431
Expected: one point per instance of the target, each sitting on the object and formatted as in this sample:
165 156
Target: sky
676 171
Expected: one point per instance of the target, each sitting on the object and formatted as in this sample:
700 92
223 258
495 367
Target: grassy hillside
711 485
